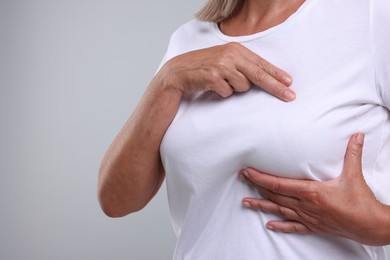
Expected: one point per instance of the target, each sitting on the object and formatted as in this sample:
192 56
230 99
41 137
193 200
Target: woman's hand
131 171
225 69
344 206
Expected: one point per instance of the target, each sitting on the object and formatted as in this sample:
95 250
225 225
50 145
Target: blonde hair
218 10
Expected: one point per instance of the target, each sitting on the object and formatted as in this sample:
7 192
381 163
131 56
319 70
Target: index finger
277 73
265 75
284 186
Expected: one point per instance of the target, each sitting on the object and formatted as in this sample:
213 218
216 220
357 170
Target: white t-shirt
338 53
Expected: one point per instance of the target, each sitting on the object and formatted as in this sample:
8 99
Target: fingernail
270 227
287 80
290 95
360 138
245 173
246 204
242 177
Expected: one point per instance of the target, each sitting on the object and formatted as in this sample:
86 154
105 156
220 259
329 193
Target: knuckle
277 74
275 186
246 87
258 205
233 45
314 198
243 85
309 219
297 228
230 50
315 222
261 63
301 229
291 229
242 88
228 93
247 84
213 77
260 76
355 151
220 64
225 92
239 89
283 212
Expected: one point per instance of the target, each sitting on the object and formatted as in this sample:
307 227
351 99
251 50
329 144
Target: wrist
378 233
164 94
168 81
384 234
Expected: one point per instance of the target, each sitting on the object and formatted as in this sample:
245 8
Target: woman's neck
259 15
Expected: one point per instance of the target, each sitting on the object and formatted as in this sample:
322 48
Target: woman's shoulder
190 36
193 28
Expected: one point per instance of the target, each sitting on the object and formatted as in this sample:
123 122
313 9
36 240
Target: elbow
116 199
109 200
116 208
113 211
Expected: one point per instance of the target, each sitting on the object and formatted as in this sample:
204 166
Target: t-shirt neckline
251 37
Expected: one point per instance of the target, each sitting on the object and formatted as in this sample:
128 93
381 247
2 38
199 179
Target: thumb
353 155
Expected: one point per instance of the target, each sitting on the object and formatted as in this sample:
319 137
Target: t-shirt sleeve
172 49
167 55
380 44
162 62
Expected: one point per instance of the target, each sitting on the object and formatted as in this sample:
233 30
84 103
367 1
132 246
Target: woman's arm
131 172
344 206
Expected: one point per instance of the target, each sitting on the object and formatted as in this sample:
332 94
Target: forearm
131 171
372 229
382 227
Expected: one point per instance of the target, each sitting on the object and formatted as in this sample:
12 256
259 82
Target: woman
211 112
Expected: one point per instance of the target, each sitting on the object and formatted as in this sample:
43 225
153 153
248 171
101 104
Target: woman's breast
304 139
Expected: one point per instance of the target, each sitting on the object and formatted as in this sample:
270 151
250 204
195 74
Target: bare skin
256 16
131 172
344 206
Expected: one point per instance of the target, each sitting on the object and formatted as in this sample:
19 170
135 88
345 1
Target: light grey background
71 72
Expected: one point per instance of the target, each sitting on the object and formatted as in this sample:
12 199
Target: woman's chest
305 138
